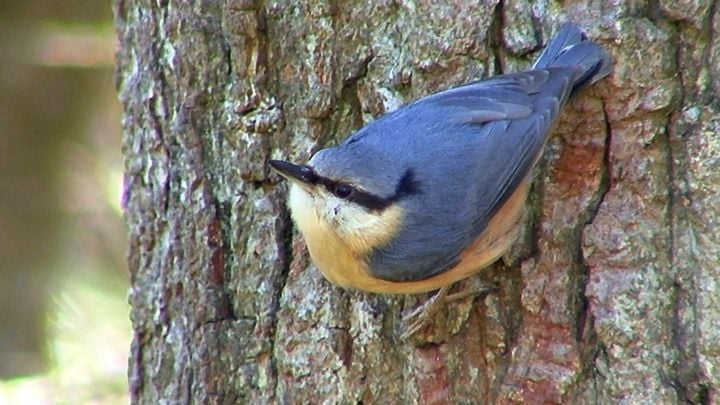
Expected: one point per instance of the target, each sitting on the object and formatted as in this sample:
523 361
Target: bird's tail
571 47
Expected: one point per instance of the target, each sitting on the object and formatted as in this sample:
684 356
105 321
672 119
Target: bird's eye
343 190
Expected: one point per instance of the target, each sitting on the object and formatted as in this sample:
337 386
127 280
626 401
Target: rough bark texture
612 294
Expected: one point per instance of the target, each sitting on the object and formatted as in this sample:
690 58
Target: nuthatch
431 193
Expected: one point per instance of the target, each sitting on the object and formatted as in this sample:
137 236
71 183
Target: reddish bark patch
578 168
217 261
433 379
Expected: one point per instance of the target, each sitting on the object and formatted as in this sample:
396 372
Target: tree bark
610 296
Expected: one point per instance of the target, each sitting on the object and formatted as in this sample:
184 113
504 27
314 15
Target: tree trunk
610 296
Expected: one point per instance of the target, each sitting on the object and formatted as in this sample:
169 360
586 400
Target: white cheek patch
346 217
302 208
353 219
361 229
323 213
334 210
299 199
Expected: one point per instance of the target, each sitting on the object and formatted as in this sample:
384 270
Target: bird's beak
300 174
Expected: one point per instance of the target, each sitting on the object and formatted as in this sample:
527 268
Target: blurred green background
64 328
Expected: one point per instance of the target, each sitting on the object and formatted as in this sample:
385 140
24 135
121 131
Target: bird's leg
422 315
469 292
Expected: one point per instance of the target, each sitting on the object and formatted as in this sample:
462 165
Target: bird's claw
423 315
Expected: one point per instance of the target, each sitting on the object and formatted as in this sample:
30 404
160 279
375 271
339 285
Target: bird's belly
344 267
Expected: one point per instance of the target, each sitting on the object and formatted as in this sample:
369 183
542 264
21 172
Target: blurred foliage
64 328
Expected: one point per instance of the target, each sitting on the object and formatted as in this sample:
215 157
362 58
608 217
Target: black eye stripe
365 199
371 202
406 187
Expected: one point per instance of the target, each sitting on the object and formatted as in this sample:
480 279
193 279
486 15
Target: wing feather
472 147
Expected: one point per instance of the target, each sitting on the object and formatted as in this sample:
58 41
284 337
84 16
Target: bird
432 193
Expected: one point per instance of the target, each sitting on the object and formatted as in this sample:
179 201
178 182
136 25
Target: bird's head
352 193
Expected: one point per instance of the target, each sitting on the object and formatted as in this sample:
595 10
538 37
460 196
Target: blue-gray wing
469 148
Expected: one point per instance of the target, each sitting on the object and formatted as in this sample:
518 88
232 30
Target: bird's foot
424 314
